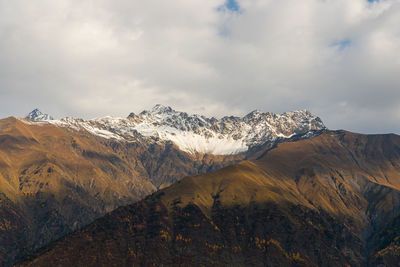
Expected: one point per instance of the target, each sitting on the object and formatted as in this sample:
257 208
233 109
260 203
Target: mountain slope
198 134
54 180
338 191
59 175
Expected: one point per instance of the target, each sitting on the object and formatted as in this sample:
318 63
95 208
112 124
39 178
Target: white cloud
89 58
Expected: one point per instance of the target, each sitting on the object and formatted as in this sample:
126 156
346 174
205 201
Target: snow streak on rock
199 134
37 115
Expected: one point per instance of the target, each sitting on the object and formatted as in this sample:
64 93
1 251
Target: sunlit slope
241 184
54 180
316 202
51 159
343 173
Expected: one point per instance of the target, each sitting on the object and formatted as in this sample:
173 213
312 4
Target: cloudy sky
87 58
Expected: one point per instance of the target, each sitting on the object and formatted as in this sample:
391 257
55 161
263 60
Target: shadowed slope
54 180
343 173
307 203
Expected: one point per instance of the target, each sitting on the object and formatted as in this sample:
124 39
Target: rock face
332 200
59 175
37 115
198 134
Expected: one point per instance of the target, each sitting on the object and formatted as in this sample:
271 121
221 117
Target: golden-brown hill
54 180
332 200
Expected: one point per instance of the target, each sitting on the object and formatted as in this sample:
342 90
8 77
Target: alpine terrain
56 176
331 200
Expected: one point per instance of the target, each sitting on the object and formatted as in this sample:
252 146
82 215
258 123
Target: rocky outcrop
37 115
196 134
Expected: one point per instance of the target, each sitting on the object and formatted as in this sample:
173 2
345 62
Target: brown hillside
54 180
319 202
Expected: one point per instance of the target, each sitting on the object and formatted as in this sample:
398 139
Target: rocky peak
198 134
254 113
228 135
159 109
37 115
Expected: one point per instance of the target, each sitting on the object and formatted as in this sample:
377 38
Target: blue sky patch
342 44
231 5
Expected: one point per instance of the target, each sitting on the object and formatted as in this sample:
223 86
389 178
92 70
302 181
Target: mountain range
57 176
167 188
330 200
195 133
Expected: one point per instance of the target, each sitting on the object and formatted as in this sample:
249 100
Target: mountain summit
229 135
194 133
37 115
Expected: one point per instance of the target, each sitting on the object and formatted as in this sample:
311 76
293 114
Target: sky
340 59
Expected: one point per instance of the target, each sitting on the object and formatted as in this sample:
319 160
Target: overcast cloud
87 58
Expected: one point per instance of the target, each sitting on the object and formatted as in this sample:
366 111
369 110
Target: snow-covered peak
229 135
161 115
156 110
198 134
37 115
161 109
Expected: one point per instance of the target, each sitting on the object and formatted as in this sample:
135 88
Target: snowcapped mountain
199 134
37 115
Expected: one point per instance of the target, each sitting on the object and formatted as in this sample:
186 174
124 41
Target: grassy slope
54 180
307 203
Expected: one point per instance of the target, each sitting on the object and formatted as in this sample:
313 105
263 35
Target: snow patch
199 134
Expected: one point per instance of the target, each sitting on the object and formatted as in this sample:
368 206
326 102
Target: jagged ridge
199 134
